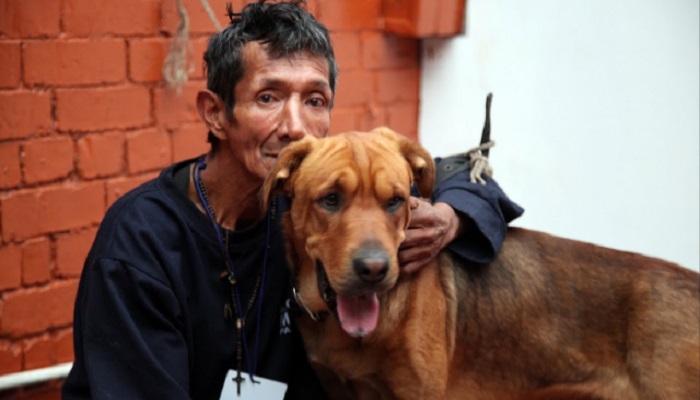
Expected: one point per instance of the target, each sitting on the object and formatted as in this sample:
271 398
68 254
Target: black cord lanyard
227 257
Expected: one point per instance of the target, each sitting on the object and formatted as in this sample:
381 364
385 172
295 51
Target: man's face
277 101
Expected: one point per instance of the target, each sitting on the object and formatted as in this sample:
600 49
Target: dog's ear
418 158
421 164
277 182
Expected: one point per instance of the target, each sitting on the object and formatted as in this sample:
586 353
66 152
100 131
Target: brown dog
550 318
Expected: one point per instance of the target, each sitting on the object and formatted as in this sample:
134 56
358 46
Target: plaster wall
595 115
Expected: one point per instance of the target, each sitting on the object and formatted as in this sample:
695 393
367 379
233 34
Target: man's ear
212 110
279 181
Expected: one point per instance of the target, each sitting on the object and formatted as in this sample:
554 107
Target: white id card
264 389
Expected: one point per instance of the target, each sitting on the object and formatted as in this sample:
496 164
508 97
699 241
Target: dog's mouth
358 313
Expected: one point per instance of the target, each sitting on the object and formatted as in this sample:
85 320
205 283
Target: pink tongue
358 314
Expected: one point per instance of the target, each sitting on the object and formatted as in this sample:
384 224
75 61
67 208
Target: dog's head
349 212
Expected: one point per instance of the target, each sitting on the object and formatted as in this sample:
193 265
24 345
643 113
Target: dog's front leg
408 381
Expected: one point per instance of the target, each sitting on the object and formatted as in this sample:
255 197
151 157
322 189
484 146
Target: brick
24 113
20 217
10 67
27 213
354 88
189 141
398 85
388 51
74 62
103 108
10 357
35 310
424 18
343 120
198 18
312 6
372 117
117 187
39 352
64 345
87 18
403 118
48 159
70 206
11 276
43 391
10 172
174 109
350 15
100 155
147 150
146 58
71 250
346 46
36 261
34 18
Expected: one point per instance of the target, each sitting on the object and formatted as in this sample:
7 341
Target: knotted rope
178 62
479 162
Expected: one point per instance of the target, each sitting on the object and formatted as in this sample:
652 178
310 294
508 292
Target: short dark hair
285 28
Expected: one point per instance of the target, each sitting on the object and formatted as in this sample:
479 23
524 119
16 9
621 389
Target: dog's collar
315 316
327 293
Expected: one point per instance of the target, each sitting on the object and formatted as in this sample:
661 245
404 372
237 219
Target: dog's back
582 320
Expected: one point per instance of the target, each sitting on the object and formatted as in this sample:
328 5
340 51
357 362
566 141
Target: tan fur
550 318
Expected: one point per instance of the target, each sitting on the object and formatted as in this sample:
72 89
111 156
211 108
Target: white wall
595 115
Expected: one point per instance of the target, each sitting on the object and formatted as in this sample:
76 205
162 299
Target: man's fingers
418 237
415 253
411 267
412 259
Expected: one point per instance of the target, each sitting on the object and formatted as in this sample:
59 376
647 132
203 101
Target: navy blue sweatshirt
150 320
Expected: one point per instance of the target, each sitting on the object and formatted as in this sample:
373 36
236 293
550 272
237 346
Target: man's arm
127 342
467 217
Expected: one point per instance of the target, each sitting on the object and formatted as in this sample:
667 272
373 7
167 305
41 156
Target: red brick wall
85 116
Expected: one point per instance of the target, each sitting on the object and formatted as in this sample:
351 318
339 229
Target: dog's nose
371 269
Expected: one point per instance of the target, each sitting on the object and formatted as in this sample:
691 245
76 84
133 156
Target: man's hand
432 227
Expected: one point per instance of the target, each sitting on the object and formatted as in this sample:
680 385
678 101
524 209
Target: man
185 293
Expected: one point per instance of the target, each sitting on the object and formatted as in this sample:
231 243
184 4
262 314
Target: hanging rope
211 15
175 65
178 62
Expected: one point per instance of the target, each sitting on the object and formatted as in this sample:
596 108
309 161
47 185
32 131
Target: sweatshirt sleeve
486 207
131 344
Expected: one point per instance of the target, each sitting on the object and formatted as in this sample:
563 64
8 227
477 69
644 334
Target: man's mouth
358 313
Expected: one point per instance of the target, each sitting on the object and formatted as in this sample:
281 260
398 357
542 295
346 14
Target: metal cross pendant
238 379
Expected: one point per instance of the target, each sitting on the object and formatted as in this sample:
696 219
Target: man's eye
317 102
330 202
265 98
394 203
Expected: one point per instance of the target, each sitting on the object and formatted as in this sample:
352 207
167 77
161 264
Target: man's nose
292 124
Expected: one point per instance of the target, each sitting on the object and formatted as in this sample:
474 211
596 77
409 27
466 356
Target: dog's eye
330 201
394 203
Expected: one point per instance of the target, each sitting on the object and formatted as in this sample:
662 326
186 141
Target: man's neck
232 193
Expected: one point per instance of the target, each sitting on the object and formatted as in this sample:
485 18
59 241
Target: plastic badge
263 388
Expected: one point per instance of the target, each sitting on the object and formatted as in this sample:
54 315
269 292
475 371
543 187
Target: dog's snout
371 269
370 263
